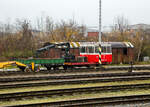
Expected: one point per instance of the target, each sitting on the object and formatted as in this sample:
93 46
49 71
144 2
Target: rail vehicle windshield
109 49
106 49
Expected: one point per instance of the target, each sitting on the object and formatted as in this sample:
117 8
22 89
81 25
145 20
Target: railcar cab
90 50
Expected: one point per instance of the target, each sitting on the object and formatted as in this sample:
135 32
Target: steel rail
104 68
92 101
73 81
51 71
69 76
19 95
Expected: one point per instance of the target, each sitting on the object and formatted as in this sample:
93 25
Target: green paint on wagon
41 61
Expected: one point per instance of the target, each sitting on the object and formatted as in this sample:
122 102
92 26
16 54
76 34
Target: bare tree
120 27
67 31
121 24
50 28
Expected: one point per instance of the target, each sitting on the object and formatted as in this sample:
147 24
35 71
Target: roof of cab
113 44
121 45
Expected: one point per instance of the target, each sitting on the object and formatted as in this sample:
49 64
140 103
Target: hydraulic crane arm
10 63
52 46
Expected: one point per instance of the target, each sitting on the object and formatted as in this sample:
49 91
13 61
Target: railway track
69 91
50 71
102 68
73 78
6 79
127 67
93 102
72 81
11 80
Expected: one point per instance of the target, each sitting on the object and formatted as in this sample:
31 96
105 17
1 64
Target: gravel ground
61 74
130 105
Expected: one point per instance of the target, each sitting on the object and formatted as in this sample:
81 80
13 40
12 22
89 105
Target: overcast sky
83 11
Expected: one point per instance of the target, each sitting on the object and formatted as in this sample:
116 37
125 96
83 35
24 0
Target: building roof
141 26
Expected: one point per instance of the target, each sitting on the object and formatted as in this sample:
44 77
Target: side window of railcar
108 49
96 49
91 49
86 50
83 50
104 49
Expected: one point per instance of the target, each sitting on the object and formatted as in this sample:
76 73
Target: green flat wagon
33 64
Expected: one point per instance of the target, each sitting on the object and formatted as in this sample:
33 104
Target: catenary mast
100 21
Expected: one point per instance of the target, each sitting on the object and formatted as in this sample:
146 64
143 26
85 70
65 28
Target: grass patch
142 63
135 63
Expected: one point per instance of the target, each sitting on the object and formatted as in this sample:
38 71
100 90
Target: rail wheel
65 67
49 68
22 68
27 69
37 68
